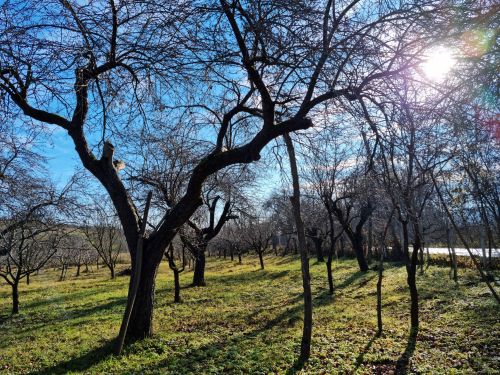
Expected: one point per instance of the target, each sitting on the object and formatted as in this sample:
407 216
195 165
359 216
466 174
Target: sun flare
438 63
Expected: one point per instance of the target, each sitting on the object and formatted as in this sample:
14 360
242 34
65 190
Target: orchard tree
257 233
202 234
177 269
29 237
104 234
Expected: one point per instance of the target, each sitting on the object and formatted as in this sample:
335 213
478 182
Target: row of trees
37 220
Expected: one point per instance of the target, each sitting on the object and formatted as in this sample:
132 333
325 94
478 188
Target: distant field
460 251
248 321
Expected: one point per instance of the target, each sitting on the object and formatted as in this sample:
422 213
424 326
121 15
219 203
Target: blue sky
62 159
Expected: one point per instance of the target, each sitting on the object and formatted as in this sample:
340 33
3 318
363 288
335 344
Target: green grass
248 321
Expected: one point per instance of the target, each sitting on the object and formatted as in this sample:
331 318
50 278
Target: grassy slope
249 321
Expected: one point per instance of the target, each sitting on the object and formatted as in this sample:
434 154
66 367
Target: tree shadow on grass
361 355
404 361
219 347
71 296
81 363
181 362
63 318
352 278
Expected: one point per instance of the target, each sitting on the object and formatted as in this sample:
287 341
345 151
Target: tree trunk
329 272
177 287
421 260
412 281
15 297
239 257
141 320
261 259
370 240
199 268
397 252
453 257
28 279
357 244
112 271
319 249
331 252
412 284
78 270
379 291
305 347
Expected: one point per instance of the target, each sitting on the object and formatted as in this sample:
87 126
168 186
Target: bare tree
198 242
27 245
257 234
177 270
104 235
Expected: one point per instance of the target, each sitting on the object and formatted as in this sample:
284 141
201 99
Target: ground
248 321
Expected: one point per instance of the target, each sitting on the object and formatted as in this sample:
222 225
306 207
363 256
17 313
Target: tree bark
261 260
369 245
63 270
140 324
331 252
138 316
199 268
319 250
379 291
453 256
412 277
357 243
329 272
305 347
177 287
15 297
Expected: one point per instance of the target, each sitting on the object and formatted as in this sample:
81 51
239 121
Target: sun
437 63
